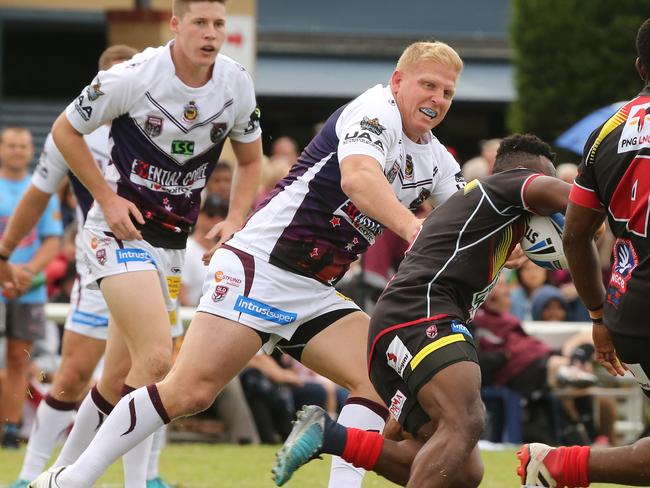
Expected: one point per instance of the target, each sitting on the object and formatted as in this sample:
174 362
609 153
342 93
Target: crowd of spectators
258 405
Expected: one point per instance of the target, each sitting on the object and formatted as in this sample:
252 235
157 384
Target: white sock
53 418
159 441
135 469
361 414
92 412
134 418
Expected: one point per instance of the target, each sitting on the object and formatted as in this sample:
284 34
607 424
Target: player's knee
198 400
156 363
71 383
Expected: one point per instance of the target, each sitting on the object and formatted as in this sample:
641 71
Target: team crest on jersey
94 91
219 293
372 125
625 260
408 168
431 331
218 132
153 125
101 256
190 112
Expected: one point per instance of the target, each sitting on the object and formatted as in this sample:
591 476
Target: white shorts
104 255
88 314
249 290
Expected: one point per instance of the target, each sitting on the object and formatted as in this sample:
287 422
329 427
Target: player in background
272 283
23 305
171 109
613 182
421 356
86 328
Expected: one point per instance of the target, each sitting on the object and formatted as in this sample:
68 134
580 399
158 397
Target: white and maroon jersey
308 225
52 168
166 137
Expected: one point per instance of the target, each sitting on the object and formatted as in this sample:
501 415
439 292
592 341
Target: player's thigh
452 395
339 351
137 304
214 351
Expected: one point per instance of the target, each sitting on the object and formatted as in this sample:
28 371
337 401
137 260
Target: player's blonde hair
180 7
118 52
430 51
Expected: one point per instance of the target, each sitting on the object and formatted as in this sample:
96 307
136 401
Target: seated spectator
549 303
530 277
285 148
510 357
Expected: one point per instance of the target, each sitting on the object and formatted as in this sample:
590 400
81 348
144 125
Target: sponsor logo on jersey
460 180
364 137
176 270
190 112
218 132
173 286
87 318
264 311
253 121
392 174
636 131
172 182
183 148
220 292
424 194
128 255
220 276
84 111
101 256
397 404
367 227
398 356
41 167
153 125
431 331
93 92
458 327
372 125
625 261
408 168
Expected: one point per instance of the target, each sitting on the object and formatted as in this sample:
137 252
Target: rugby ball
542 241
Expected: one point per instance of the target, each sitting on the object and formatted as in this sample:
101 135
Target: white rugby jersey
308 225
166 137
52 168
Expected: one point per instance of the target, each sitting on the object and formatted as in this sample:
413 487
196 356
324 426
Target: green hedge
571 57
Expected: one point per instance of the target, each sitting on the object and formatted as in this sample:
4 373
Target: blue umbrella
575 137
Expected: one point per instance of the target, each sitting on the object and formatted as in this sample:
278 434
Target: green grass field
224 466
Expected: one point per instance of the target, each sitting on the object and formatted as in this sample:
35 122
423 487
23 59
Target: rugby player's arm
117 210
245 183
364 182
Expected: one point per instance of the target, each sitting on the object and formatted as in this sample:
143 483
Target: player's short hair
118 52
517 149
180 7
430 51
643 45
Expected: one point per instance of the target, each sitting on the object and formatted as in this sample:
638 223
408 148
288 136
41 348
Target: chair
503 407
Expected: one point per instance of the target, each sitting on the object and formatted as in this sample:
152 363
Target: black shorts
23 321
404 357
634 351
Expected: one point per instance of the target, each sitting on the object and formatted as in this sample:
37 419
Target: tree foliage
572 57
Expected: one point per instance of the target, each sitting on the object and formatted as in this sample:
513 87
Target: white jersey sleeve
247 121
110 95
370 125
51 168
451 179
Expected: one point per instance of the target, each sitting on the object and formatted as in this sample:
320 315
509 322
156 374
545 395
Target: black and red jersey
615 176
